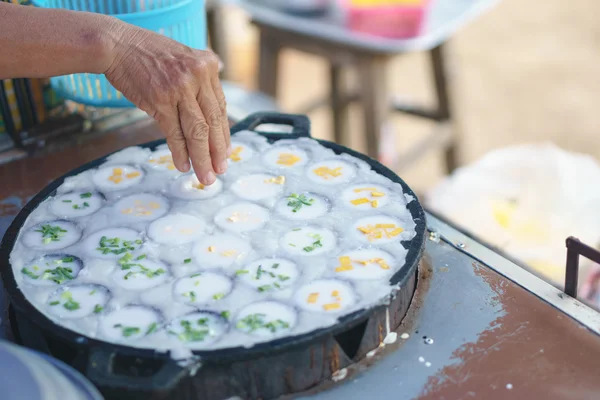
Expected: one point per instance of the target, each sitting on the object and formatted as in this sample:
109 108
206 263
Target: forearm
38 43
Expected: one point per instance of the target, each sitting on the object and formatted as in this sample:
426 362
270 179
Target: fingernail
210 178
186 167
223 167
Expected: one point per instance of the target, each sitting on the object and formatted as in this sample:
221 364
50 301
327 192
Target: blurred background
517 86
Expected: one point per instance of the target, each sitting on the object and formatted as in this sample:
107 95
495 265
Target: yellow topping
140 208
328 173
117 171
280 180
377 231
335 293
374 203
346 264
288 159
377 194
235 154
312 298
198 186
132 175
359 201
164 160
331 306
229 253
211 249
358 190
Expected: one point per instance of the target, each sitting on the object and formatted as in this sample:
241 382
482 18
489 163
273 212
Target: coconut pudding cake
289 240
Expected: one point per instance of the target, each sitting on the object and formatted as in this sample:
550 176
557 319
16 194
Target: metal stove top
479 325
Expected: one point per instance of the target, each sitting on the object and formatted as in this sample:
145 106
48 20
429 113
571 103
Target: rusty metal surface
492 339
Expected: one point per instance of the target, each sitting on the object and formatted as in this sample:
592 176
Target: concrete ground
528 71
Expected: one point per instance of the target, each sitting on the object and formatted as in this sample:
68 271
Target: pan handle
101 371
299 123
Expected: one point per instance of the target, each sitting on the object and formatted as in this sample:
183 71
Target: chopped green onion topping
219 296
151 328
316 244
241 271
85 195
264 288
127 330
187 261
297 201
54 303
51 233
225 314
98 309
190 334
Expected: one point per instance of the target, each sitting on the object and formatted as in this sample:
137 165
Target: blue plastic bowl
181 20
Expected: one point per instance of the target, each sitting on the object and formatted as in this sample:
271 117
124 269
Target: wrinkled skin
179 87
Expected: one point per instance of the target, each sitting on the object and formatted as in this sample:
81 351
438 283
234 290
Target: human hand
179 87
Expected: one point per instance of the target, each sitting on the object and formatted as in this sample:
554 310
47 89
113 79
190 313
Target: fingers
171 126
196 131
213 113
218 90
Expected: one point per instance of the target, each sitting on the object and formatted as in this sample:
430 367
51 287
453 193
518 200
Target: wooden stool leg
217 36
268 70
374 98
444 112
339 106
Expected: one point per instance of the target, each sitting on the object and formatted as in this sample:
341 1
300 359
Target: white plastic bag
526 200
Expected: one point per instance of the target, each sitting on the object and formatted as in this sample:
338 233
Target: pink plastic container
391 21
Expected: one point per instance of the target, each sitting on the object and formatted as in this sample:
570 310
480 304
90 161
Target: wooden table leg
339 106
374 98
268 68
217 36
444 110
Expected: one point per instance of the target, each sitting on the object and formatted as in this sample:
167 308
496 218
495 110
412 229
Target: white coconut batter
226 265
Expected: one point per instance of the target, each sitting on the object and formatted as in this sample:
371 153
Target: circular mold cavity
331 172
76 204
51 235
117 177
78 301
176 229
240 153
139 273
221 250
285 157
268 274
308 241
242 217
141 207
365 264
202 288
378 229
188 187
52 269
366 196
161 160
112 243
130 323
266 318
302 206
198 329
325 296
258 186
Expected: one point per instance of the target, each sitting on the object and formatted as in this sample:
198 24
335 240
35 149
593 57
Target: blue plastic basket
181 20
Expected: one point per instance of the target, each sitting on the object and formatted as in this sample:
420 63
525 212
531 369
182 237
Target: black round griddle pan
265 371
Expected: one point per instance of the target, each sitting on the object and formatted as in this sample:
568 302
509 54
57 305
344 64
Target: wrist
103 39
